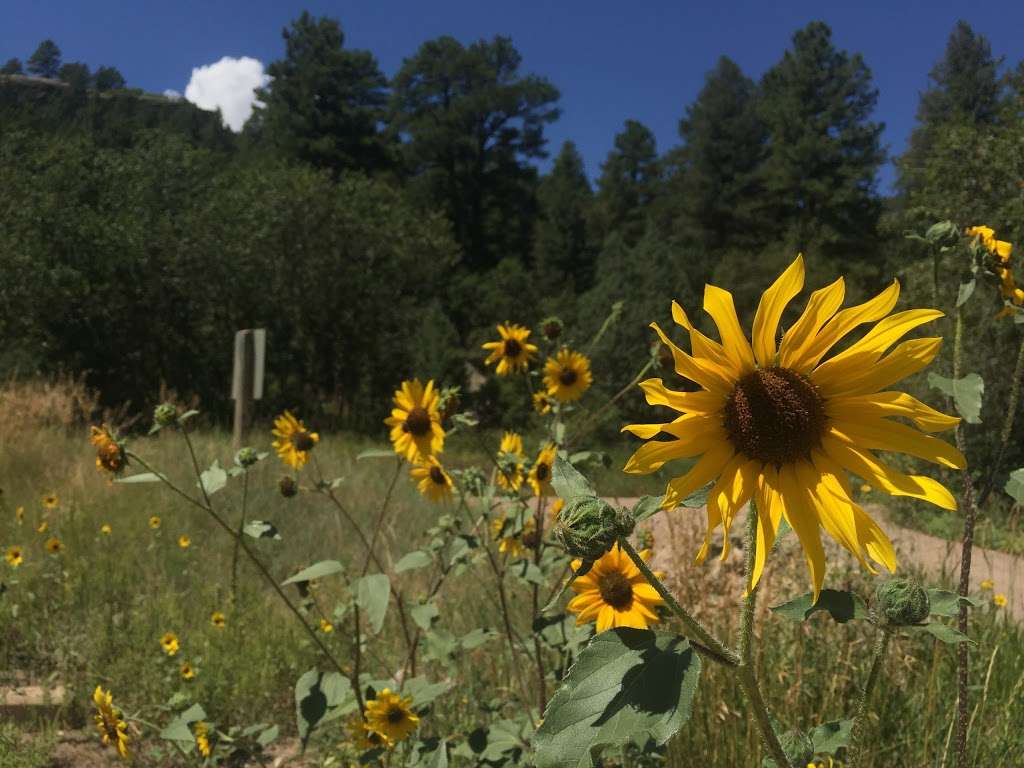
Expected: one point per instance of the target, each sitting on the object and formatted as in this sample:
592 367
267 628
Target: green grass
94 615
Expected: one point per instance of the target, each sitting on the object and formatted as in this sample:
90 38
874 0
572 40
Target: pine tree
823 151
75 74
563 255
724 145
108 79
12 67
628 185
45 62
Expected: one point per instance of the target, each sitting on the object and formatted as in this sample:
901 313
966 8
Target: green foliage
372 594
967 393
629 182
627 684
45 60
842 606
12 66
563 252
1015 485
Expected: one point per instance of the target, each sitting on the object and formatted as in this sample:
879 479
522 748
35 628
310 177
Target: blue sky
611 60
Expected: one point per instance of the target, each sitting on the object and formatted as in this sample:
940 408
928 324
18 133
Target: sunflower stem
857 732
241 530
702 640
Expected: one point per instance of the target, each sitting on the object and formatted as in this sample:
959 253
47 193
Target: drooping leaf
476 637
316 571
413 561
315 694
645 507
940 632
946 603
627 684
422 691
213 479
372 595
178 729
1015 485
842 606
829 738
261 529
424 615
965 291
967 393
142 477
568 482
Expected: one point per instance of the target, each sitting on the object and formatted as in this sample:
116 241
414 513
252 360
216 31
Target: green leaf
626 685
422 691
1015 485
646 506
178 729
840 605
267 736
698 498
940 632
424 615
316 571
213 479
372 593
946 603
376 453
476 637
142 477
413 561
829 738
568 482
964 291
261 529
528 571
315 693
966 392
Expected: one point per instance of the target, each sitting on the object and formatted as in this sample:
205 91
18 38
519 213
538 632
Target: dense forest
378 229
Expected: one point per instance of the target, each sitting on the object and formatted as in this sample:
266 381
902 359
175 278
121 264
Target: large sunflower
415 421
294 441
567 375
540 473
391 716
778 425
614 593
513 352
434 482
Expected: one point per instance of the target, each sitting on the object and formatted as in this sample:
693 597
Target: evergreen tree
629 181
724 145
108 79
823 151
45 62
472 122
324 103
563 256
12 67
75 74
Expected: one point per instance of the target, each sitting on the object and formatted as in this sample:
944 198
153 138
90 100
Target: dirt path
684 530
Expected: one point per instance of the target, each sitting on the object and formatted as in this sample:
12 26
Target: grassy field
94 614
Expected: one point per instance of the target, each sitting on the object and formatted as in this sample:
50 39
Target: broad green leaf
142 477
376 453
213 479
316 571
261 529
178 729
626 685
964 292
966 392
315 693
940 632
422 691
413 560
424 615
476 637
372 594
568 482
946 603
829 738
698 498
1015 485
840 605
646 506
267 736
528 571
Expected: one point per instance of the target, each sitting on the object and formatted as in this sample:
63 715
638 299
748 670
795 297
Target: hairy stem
857 732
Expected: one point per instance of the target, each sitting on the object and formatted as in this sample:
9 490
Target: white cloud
228 85
172 94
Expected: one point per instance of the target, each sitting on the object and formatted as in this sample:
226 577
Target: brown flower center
417 423
396 715
512 348
616 591
437 476
303 441
543 472
775 415
568 377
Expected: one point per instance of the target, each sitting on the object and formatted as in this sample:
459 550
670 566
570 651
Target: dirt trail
684 530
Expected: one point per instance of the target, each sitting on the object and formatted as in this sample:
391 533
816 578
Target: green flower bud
164 415
900 602
287 486
552 327
448 402
247 457
588 527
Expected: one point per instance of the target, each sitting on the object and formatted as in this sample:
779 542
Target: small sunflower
203 738
391 716
540 472
294 442
154 522
111 726
218 620
987 584
415 421
14 556
542 403
513 352
51 501
999 600
110 453
106 530
184 541
188 672
169 642
54 545
362 737
326 627
43 527
19 515
511 460
567 375
511 544
434 482
614 593
783 423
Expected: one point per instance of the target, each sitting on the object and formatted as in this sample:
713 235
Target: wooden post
242 384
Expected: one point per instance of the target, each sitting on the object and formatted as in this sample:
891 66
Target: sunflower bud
588 527
164 415
287 486
247 457
900 602
552 328
449 400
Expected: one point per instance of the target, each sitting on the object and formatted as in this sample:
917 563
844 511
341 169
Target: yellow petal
884 435
844 322
874 344
852 379
735 486
702 372
799 513
879 404
705 470
685 402
820 307
700 345
769 311
719 305
836 518
769 511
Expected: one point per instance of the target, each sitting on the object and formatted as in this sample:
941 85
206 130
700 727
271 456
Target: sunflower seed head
287 486
552 327
588 527
164 415
900 602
